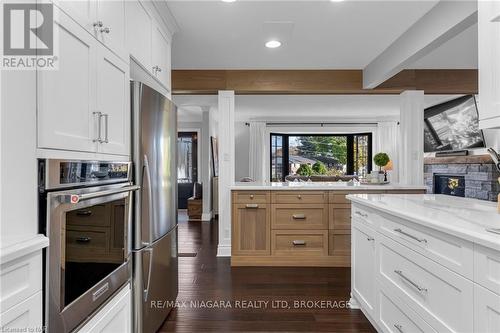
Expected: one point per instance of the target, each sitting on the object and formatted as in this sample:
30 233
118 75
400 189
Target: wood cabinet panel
339 198
292 216
339 243
258 197
295 197
340 217
251 229
300 242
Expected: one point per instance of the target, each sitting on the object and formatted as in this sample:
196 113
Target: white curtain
257 151
388 142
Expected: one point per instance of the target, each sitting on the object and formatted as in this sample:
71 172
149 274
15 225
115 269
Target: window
340 154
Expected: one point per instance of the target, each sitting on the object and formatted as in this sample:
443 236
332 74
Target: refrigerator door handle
145 291
147 172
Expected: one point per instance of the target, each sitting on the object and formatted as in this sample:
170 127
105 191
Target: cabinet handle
106 30
99 115
106 129
251 196
370 239
156 69
83 239
407 279
420 240
299 197
298 216
252 206
399 328
299 242
361 214
98 24
84 213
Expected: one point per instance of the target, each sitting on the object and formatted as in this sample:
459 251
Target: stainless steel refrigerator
154 150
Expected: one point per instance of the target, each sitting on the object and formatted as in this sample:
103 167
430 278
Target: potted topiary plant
381 160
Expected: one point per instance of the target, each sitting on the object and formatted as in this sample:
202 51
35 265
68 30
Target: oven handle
76 198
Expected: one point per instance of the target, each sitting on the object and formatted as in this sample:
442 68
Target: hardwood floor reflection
206 278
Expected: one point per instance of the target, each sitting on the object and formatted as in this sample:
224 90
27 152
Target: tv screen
453 125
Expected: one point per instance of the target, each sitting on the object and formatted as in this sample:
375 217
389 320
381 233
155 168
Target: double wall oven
85 210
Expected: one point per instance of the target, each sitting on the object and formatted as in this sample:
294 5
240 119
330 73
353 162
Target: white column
411 146
226 169
206 167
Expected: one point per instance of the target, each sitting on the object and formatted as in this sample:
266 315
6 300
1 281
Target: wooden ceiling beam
311 82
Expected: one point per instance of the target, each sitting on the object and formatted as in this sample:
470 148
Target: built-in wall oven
85 210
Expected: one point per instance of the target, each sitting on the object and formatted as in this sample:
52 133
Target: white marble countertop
330 186
462 217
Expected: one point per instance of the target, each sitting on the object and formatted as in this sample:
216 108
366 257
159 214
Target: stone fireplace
464 176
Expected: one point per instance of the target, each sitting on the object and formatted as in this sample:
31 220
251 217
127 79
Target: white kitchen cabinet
486 311
115 316
86 100
111 15
82 11
66 95
489 63
138 32
363 266
113 91
161 56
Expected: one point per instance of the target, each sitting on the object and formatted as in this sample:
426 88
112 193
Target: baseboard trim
206 216
223 250
292 261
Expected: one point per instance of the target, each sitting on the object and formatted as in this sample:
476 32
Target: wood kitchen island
297 224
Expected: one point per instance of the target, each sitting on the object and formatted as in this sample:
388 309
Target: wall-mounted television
453 125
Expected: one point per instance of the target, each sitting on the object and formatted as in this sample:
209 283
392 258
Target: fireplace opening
449 185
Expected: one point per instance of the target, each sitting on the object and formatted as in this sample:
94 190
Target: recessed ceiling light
336 0
272 44
228 0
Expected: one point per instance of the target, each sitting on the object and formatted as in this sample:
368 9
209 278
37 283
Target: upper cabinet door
113 96
138 32
82 11
112 32
65 97
161 56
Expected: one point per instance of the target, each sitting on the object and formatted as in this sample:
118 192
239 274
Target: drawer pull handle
252 206
299 197
370 239
399 328
420 240
299 216
494 230
83 239
251 196
361 214
404 277
84 213
299 242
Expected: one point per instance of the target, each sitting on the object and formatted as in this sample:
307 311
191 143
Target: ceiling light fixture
272 44
228 0
336 0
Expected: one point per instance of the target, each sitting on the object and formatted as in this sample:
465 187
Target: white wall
242 146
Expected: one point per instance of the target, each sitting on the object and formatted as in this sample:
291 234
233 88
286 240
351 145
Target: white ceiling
315 34
302 107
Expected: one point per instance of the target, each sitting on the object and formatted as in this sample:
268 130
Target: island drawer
440 296
297 197
452 252
292 216
299 243
251 197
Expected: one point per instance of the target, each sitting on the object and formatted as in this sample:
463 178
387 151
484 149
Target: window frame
350 149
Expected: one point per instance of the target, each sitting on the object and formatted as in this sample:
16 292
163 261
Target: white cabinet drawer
486 311
20 279
441 297
24 317
365 216
454 253
396 318
487 268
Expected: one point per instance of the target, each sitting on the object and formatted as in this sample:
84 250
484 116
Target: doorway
187 166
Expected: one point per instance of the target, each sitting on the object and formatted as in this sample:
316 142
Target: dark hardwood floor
204 277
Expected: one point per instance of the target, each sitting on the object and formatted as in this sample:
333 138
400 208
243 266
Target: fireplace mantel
479 171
